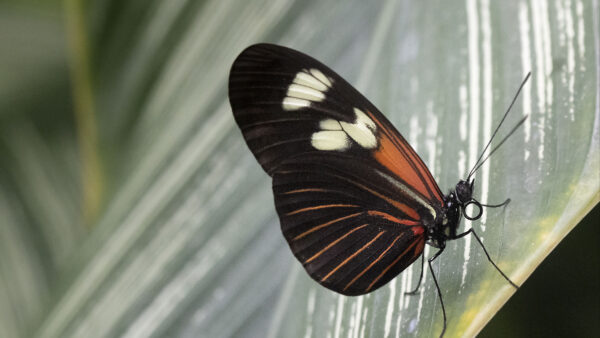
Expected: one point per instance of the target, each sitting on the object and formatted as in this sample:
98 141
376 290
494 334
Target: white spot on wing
361 134
292 103
309 81
363 118
317 73
336 135
308 86
330 124
330 140
303 92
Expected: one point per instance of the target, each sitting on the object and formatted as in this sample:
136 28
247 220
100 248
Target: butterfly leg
420 277
437 287
471 231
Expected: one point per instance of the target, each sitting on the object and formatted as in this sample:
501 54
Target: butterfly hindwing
343 223
351 194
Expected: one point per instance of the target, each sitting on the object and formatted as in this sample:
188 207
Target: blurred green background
55 224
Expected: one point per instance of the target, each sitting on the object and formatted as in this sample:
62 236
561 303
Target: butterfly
356 203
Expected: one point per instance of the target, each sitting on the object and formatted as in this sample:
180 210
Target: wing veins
352 256
326 224
373 262
391 265
330 245
382 196
277 144
322 206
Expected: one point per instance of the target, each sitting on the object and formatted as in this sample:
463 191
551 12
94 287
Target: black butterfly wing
351 194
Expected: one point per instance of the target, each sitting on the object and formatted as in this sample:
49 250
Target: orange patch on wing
419 230
391 155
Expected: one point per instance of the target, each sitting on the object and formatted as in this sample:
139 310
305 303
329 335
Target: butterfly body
445 228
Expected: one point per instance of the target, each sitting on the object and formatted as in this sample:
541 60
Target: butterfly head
464 191
464 198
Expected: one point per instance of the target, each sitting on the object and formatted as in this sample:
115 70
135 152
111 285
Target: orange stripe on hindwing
311 230
304 190
324 206
373 262
352 256
392 218
400 206
334 243
391 265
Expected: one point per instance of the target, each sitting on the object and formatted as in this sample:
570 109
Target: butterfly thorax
445 227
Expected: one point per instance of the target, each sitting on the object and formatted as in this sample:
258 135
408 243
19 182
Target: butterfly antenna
479 162
499 144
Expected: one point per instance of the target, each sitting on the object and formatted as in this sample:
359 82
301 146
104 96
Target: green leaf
187 242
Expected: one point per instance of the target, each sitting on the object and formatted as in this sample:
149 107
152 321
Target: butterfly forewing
351 194
279 97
